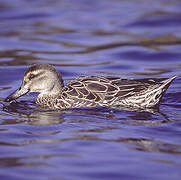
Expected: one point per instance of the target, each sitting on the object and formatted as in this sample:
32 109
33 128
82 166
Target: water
131 39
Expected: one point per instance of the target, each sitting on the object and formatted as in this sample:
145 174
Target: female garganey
89 91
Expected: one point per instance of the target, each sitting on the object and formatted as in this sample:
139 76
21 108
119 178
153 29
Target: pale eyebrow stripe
38 74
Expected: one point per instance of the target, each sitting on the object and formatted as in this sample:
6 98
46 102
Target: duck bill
16 94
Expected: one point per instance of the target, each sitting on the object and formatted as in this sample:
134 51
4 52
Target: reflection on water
132 39
29 112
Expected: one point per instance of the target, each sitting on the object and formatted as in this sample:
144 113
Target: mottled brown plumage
89 91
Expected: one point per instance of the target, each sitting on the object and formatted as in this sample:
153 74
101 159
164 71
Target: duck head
42 78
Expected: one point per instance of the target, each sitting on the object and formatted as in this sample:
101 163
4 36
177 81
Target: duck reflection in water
31 114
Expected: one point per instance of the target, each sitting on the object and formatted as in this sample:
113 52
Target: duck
89 91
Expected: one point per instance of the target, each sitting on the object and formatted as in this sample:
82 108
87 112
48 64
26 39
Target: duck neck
53 90
48 97
47 100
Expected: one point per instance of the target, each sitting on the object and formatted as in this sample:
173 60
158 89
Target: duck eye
31 76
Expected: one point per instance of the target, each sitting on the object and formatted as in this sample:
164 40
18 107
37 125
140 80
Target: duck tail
154 96
160 91
166 83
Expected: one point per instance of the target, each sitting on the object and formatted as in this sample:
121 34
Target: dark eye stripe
31 76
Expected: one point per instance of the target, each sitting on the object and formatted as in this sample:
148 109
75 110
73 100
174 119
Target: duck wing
89 88
130 87
99 89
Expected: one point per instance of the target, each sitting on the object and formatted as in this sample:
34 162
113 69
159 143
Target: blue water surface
125 38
